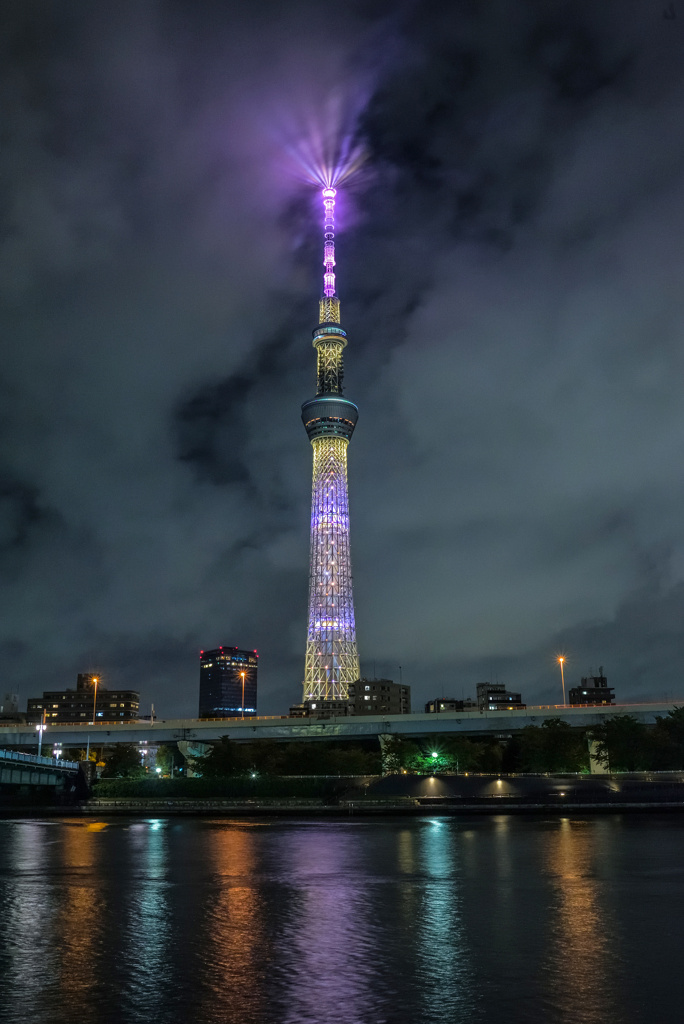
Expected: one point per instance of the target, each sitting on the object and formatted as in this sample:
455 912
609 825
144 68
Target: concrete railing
34 759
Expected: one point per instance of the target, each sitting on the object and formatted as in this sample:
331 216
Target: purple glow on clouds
321 142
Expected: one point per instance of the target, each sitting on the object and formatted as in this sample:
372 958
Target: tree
351 760
224 759
552 747
167 756
123 762
391 755
668 741
440 754
623 744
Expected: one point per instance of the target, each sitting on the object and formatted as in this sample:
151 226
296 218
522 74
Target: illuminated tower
332 661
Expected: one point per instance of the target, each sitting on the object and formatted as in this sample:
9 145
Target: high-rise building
332 660
228 683
89 702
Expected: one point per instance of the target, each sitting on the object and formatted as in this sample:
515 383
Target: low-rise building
366 696
441 704
9 708
90 701
320 709
592 690
379 697
495 697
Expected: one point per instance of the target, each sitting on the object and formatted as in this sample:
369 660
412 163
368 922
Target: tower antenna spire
329 306
329 194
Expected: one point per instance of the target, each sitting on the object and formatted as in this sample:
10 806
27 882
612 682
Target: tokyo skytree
332 660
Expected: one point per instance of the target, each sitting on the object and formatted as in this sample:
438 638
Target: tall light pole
95 681
243 693
41 729
561 659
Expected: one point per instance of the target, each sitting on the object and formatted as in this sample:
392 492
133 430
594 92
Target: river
279 921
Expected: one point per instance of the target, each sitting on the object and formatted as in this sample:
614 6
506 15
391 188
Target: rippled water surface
397 920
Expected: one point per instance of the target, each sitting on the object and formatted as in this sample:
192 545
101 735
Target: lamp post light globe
561 662
40 729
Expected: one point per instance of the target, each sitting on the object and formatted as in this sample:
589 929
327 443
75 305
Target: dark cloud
509 271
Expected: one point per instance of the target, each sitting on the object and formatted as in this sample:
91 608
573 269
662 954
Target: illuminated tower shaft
332 660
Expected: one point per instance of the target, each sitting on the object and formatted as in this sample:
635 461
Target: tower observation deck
332 660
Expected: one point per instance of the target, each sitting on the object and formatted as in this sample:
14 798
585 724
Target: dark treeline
620 744
269 757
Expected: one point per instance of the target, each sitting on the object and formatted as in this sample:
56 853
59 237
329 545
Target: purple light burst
323 145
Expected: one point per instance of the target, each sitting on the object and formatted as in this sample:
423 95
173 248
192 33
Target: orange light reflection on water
79 918
582 928
236 965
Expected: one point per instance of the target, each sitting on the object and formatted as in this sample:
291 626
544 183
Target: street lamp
561 659
95 681
243 693
40 730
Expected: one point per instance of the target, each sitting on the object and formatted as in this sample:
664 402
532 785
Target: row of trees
625 745
124 760
268 757
620 743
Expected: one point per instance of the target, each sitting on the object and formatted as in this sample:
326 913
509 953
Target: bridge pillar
596 767
190 749
89 771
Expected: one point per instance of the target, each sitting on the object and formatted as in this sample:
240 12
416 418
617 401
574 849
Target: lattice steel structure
332 660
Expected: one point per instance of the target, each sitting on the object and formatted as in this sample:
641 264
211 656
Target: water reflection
79 919
583 942
330 968
26 907
353 922
235 965
445 977
145 962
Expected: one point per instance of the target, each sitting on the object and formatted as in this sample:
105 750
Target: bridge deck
19 769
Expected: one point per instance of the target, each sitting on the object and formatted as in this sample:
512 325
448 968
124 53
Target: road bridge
468 723
21 769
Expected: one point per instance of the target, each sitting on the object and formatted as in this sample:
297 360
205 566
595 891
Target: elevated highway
469 723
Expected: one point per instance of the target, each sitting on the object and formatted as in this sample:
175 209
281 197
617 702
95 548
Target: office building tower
228 683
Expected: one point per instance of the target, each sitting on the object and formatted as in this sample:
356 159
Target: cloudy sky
509 264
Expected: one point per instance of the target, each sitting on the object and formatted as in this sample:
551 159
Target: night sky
510 270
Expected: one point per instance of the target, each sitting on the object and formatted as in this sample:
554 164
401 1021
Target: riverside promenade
426 795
